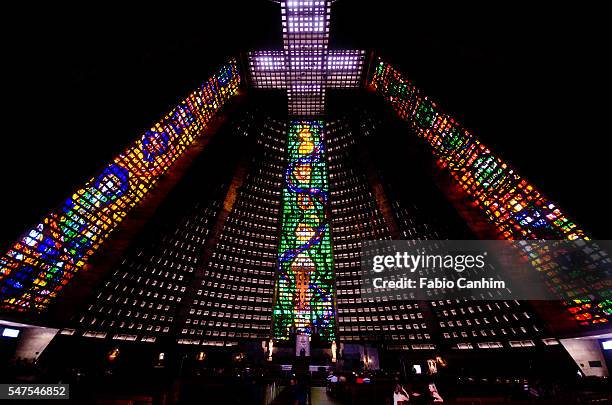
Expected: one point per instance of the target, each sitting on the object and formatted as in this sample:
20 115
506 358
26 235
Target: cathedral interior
217 257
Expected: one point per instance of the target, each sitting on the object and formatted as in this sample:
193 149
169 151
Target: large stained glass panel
38 266
511 203
304 300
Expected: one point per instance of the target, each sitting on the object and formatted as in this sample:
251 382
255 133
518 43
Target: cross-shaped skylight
306 67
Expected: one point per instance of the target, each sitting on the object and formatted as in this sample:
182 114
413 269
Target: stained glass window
38 266
513 205
304 293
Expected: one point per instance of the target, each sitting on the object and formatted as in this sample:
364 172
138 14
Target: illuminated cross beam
306 67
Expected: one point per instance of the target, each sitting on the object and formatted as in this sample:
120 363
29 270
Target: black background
81 83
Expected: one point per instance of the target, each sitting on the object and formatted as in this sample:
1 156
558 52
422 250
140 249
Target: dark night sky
82 83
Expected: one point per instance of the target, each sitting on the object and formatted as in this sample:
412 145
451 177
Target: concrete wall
33 341
584 351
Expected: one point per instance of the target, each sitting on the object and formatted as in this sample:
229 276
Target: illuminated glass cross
306 67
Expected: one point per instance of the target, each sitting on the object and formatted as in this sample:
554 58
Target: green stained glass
487 171
453 139
425 114
304 293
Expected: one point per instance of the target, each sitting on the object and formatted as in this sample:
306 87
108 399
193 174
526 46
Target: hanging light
113 354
